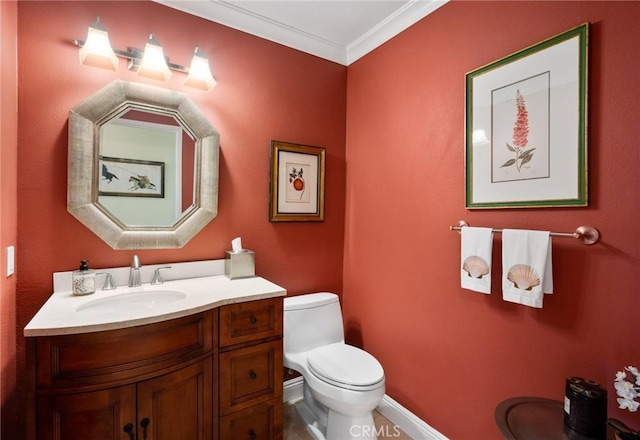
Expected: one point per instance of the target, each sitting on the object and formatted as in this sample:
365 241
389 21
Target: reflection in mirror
146 168
143 166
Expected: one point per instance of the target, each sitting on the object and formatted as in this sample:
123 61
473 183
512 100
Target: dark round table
536 418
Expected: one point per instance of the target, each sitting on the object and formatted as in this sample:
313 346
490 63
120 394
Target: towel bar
586 234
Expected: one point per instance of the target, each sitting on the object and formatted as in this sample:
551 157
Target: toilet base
340 427
325 424
316 431
350 428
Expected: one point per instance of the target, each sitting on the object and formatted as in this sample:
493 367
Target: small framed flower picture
526 122
297 182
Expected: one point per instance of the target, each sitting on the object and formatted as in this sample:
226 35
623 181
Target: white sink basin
132 301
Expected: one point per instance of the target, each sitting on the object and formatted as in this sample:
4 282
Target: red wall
452 355
265 91
8 209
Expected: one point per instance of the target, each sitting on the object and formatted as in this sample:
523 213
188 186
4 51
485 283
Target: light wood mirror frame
85 120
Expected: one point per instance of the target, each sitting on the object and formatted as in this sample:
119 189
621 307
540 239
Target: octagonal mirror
143 166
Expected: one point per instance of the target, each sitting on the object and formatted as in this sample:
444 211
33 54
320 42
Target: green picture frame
526 127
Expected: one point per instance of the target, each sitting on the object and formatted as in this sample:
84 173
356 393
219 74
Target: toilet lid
345 366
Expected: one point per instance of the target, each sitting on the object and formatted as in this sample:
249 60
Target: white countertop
60 314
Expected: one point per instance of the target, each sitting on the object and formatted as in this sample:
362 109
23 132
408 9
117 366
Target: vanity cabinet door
178 405
100 415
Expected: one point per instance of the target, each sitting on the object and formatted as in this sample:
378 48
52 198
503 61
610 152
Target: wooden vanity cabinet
208 376
176 405
149 382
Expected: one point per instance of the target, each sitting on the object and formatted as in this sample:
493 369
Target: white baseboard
293 390
408 422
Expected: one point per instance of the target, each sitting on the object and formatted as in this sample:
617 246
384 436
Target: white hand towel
475 267
527 272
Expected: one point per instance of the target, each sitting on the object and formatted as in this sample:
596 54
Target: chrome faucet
108 281
157 278
134 273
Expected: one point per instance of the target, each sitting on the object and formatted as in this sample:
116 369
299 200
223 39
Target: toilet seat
345 366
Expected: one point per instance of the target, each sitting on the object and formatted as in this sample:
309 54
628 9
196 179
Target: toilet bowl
342 384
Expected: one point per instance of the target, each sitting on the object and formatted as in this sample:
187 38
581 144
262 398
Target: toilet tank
312 320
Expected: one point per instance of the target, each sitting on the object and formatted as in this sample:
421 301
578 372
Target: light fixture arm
96 51
134 56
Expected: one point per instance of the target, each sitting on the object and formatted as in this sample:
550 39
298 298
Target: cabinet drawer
259 422
250 321
119 355
250 375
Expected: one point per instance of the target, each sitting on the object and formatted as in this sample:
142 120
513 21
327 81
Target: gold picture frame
297 183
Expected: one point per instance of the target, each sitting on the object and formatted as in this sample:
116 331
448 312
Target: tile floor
294 428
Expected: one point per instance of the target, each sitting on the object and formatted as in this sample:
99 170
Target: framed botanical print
297 182
526 127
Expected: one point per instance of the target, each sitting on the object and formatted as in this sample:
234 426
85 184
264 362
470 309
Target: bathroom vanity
204 366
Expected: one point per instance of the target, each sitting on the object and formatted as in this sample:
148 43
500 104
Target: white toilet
342 384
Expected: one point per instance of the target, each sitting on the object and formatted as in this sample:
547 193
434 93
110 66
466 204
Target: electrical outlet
10 260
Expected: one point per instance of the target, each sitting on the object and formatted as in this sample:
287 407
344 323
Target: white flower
631 405
626 390
635 372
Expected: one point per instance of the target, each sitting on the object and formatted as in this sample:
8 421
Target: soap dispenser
83 280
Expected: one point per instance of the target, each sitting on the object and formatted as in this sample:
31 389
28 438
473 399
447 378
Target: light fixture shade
97 51
199 73
153 63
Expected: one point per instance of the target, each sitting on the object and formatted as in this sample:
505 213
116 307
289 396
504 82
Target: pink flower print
521 128
520 136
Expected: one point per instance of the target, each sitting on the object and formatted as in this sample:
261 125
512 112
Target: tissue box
240 264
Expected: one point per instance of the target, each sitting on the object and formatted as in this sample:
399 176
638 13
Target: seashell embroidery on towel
475 266
523 276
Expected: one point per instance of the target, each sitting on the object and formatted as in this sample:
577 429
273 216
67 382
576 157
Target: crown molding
238 18
405 17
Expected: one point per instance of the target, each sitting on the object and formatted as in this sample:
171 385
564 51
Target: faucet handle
135 262
157 279
108 281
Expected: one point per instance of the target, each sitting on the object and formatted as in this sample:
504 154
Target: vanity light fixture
199 73
97 50
151 63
